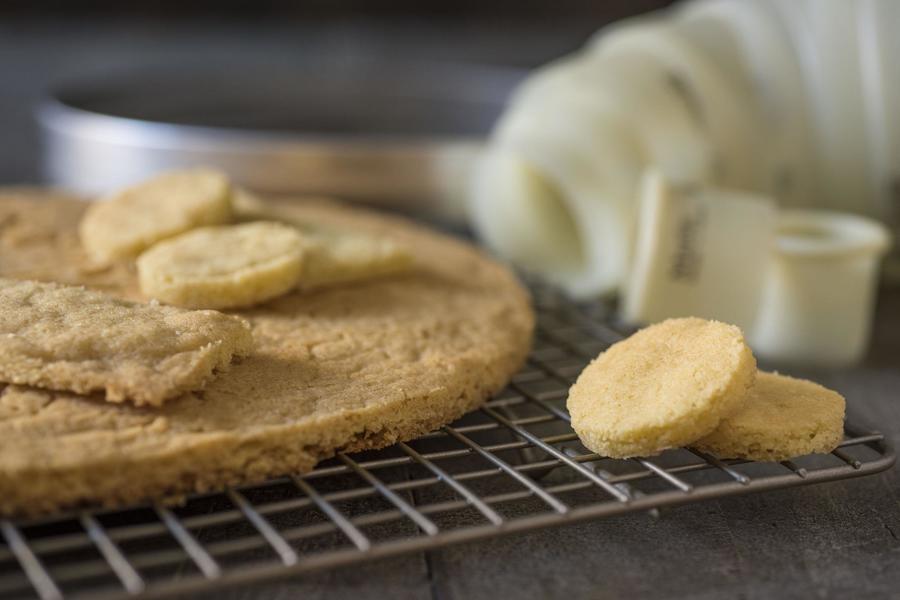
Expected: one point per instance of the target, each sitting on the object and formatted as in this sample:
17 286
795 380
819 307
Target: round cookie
664 387
347 367
337 258
133 219
223 267
784 417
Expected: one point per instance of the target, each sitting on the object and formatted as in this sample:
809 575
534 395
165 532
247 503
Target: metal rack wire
514 465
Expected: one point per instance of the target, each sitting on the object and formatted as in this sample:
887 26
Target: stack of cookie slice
692 382
180 227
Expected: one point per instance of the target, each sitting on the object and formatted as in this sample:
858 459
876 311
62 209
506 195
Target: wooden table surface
832 540
838 539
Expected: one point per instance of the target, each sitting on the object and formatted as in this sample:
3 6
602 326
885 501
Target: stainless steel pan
400 134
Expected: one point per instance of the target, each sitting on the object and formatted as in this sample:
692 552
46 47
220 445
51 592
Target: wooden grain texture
838 539
403 577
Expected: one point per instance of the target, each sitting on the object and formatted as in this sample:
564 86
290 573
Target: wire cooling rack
512 466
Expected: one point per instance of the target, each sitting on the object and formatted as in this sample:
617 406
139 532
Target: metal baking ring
398 134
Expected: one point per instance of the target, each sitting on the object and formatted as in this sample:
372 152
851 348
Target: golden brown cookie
348 367
68 338
783 418
133 219
664 387
226 266
339 258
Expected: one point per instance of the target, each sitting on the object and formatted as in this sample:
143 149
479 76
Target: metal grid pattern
512 466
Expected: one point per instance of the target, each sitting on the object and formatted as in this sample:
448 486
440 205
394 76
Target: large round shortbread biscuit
226 266
133 219
664 387
783 418
348 367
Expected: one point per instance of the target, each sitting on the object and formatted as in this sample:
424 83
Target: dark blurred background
45 42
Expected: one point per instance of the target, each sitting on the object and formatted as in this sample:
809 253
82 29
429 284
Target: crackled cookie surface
223 267
784 417
131 220
345 367
664 387
68 338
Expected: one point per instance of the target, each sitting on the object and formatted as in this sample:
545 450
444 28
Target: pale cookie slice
664 387
68 338
334 255
223 267
135 218
783 418
339 257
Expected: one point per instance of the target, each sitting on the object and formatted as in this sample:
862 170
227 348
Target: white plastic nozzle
819 296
